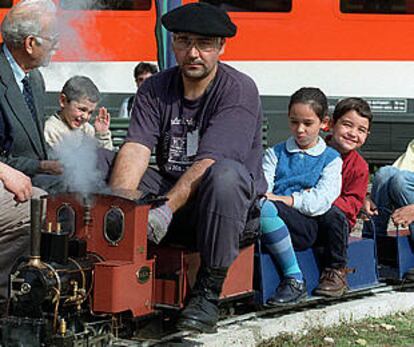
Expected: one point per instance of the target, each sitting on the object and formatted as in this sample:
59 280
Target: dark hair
313 97
78 87
145 68
358 105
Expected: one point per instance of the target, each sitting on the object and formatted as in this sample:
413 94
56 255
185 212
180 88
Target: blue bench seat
362 260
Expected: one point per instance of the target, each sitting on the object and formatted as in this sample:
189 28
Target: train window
6 3
67 218
109 5
114 226
252 5
378 6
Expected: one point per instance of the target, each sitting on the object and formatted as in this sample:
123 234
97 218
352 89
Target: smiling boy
78 100
351 123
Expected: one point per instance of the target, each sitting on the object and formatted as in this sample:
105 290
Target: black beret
199 18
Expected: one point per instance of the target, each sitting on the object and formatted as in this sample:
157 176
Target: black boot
201 313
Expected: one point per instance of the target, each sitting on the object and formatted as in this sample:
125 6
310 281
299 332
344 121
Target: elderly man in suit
29 34
30 37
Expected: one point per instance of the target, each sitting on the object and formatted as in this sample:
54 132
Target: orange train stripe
313 30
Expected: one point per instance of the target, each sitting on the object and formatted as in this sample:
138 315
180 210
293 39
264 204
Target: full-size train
92 279
346 47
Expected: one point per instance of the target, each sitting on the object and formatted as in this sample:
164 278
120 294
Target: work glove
159 218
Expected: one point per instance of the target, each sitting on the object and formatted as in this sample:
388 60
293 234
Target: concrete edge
251 332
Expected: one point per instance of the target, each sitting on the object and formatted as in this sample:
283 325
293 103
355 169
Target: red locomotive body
113 228
132 276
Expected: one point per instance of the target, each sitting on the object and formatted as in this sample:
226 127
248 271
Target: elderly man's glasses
54 40
203 44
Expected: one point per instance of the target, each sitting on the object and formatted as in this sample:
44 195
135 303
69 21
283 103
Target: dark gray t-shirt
224 123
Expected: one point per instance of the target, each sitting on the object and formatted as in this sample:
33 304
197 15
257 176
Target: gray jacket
22 143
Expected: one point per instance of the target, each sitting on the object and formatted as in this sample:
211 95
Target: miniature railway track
178 338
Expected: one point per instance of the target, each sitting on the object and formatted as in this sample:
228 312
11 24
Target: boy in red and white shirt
351 123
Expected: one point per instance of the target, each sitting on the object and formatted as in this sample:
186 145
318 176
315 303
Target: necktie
28 96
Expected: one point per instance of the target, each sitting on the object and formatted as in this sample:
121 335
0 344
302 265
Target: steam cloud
78 154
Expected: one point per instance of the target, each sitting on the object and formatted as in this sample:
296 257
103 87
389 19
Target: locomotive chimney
35 225
87 205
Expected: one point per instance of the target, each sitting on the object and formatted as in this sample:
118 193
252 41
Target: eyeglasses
204 44
54 40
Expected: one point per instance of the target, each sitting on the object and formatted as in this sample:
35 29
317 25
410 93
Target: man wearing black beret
204 119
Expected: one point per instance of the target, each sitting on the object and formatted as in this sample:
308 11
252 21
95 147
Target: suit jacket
22 143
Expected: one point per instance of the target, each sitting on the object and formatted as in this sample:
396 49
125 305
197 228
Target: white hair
24 19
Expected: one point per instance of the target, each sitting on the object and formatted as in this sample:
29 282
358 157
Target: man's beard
196 74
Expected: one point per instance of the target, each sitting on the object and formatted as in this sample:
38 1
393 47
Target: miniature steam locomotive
91 273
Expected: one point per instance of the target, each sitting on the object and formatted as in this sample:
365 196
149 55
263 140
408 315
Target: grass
395 330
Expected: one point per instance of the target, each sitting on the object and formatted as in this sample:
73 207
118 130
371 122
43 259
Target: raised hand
102 121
